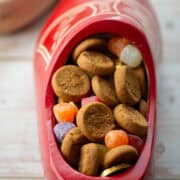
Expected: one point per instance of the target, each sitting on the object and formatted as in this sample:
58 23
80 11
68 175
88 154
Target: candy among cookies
61 129
117 44
115 138
89 99
65 112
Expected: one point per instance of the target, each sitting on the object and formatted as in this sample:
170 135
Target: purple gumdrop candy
61 129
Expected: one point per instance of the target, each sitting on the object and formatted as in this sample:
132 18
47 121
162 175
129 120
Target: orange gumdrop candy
116 45
116 138
65 112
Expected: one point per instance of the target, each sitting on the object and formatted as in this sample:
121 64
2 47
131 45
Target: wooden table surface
19 154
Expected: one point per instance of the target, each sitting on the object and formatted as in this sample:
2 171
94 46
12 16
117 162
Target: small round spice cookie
104 90
95 120
121 154
127 85
143 107
140 73
91 158
131 120
89 44
95 63
71 145
70 83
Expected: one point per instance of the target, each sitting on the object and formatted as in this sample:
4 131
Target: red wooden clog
71 22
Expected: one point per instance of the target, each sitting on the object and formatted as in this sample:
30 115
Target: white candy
131 56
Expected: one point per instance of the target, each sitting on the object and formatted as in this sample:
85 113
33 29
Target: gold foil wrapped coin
114 169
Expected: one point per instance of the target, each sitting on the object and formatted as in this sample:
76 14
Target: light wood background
19 154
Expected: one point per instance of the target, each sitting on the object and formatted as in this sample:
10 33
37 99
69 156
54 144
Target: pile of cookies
101 105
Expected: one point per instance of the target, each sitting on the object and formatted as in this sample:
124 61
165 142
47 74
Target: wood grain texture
19 154
168 12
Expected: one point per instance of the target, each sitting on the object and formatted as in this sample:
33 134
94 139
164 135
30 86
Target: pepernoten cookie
95 63
70 83
143 107
89 44
95 120
121 154
91 158
71 145
131 120
140 73
127 85
104 90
